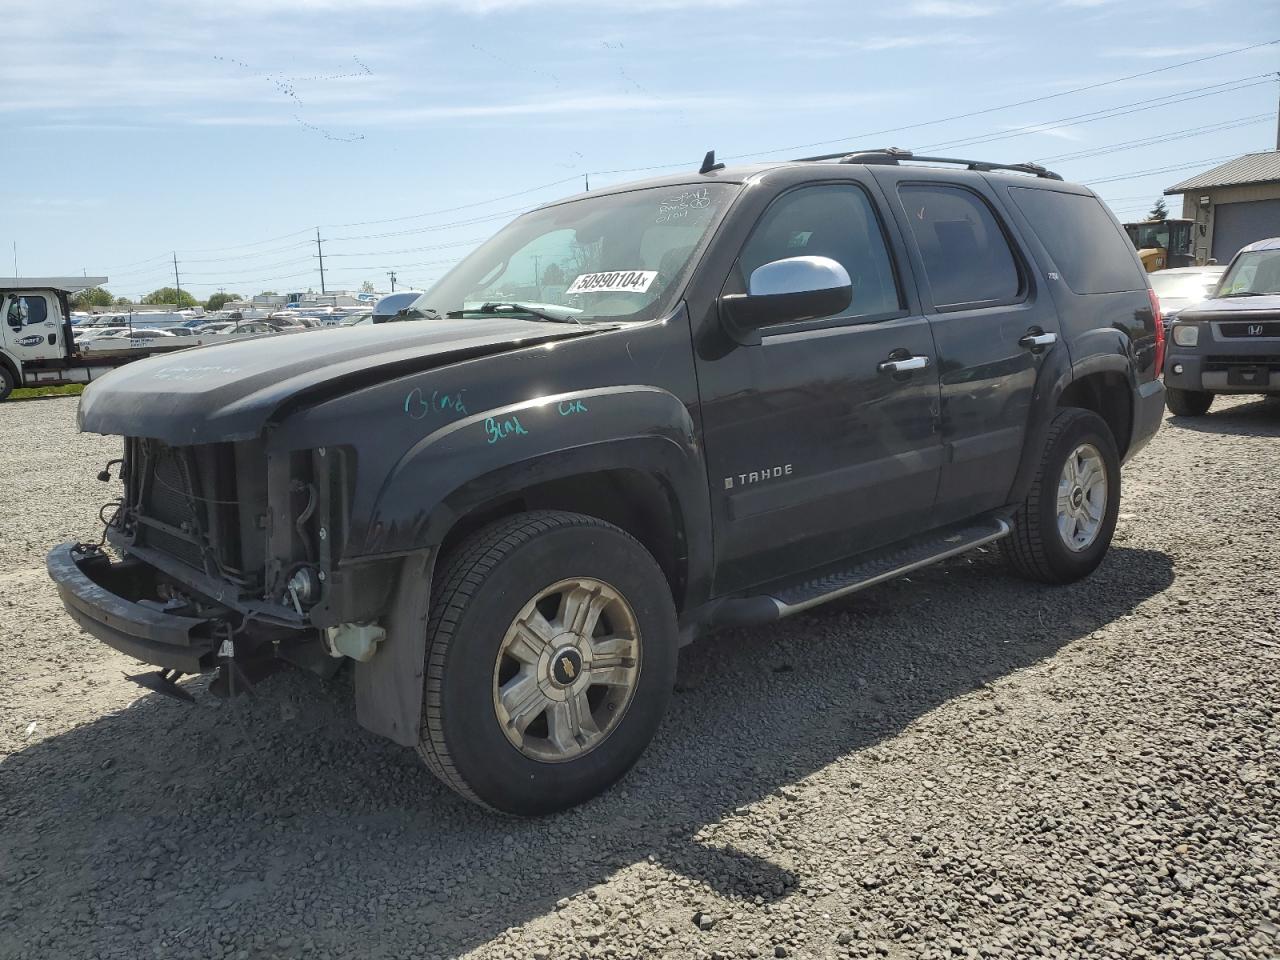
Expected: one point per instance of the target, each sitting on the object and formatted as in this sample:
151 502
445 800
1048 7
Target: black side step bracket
875 568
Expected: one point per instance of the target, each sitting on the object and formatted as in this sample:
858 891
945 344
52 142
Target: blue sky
228 129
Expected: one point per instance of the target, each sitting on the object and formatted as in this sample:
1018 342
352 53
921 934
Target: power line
260 268
1009 106
465 206
1159 138
391 253
1138 106
1180 166
434 227
1122 110
248 256
795 147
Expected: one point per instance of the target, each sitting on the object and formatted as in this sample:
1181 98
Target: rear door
992 323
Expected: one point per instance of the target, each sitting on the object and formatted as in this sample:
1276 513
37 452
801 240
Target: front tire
551 656
1062 530
1187 403
6 382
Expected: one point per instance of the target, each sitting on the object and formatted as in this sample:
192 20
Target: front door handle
1038 341
905 365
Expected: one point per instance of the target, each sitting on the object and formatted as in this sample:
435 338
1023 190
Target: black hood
230 391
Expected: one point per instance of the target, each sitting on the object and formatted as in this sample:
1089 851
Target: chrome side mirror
789 291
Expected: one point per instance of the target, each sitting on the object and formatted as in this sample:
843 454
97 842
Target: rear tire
551 656
6 382
1062 530
1187 403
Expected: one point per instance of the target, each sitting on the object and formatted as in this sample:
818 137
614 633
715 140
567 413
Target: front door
32 326
993 327
816 450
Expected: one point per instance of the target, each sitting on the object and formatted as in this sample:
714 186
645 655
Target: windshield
1253 273
1183 286
615 257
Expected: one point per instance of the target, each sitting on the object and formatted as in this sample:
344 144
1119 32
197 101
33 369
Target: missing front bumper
103 596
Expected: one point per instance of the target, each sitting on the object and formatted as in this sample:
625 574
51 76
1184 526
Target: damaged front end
230 559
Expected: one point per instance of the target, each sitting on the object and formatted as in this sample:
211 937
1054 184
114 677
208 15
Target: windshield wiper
518 308
1247 293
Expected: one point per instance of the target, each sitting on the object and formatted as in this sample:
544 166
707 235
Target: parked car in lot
749 391
239 328
1182 287
358 319
85 334
135 339
1229 343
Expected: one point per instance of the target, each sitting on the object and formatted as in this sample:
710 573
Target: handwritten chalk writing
569 407
617 281
678 207
418 406
497 429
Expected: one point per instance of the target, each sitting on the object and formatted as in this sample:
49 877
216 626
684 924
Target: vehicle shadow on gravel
275 825
1261 417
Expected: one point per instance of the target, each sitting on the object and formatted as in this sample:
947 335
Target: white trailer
36 344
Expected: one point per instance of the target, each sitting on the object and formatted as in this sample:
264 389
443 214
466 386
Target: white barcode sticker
617 281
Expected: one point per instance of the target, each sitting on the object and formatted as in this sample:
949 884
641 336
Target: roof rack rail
893 155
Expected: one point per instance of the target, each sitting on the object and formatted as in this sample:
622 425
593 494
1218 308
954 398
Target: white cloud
594 105
1049 130
949 9
914 41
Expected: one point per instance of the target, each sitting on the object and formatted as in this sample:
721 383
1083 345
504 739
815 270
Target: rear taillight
1155 312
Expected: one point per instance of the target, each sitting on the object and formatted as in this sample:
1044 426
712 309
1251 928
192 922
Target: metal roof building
1233 204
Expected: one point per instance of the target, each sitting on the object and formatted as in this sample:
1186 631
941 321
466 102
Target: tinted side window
1092 255
836 221
966 257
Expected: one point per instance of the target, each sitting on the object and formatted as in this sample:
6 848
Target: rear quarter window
1087 247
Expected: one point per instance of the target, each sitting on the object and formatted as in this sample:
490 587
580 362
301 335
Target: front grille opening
1220 362
184 503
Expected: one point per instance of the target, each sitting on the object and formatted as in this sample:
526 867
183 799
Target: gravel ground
955 765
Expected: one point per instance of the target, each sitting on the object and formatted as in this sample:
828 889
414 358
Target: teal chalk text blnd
499 429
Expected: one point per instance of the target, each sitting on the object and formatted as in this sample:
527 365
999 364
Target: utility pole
176 282
586 182
320 253
15 258
392 275
1278 115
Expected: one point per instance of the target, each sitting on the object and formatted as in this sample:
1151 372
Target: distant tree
123 302
93 297
169 295
367 287
1159 212
219 300
553 276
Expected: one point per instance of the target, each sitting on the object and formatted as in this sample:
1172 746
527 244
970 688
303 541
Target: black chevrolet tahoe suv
717 398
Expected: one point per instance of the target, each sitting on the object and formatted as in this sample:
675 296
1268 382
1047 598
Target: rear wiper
518 308
1246 293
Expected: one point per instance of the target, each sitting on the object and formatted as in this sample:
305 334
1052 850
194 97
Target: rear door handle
1033 341
905 365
